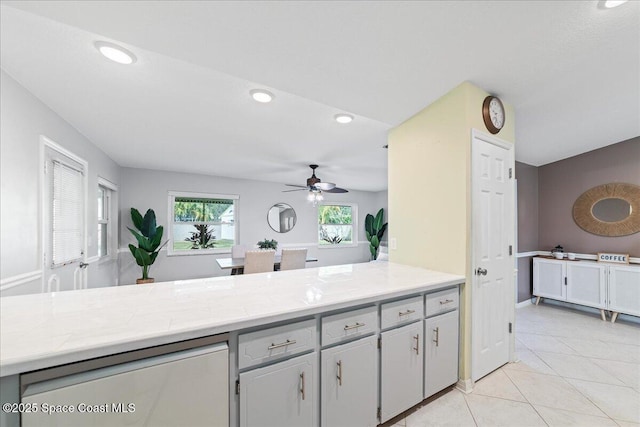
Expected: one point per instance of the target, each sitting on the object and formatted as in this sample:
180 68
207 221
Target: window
104 203
67 206
337 225
202 223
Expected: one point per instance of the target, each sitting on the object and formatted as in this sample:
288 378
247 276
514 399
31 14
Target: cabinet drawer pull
417 347
437 340
357 325
339 376
406 313
447 301
302 381
282 344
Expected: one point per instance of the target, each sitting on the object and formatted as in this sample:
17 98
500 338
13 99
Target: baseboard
465 386
524 303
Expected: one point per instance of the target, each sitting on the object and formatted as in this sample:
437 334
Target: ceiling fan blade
325 186
294 185
337 190
297 189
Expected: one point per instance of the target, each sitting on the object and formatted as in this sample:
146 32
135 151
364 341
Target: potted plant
268 244
149 237
375 229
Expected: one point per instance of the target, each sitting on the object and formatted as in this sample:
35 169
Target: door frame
47 143
510 147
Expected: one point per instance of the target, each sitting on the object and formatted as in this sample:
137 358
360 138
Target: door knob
481 271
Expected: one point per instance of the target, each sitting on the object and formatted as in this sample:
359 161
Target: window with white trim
67 208
104 221
202 223
337 225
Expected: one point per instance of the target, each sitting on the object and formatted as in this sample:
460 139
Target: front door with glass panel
64 227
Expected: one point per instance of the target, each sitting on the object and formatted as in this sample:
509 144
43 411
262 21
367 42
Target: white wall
23 118
144 189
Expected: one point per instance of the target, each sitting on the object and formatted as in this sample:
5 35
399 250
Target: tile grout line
464 396
525 397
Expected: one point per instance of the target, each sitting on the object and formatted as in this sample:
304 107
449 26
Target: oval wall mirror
281 217
609 210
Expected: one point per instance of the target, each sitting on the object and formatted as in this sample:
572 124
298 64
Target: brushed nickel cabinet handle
302 381
282 344
417 347
357 325
437 340
406 313
339 376
447 301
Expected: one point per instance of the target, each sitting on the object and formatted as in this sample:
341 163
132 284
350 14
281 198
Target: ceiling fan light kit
316 187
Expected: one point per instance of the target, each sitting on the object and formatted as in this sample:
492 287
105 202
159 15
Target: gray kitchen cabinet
440 352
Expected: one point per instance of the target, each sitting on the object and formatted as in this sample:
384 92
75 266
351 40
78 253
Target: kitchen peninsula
256 327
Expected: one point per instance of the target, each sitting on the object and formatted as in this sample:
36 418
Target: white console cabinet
593 284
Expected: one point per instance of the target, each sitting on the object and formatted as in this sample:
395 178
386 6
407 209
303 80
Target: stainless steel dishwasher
150 387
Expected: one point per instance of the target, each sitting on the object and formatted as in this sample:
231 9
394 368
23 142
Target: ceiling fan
315 185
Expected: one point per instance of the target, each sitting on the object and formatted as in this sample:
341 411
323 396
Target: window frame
110 189
172 195
354 225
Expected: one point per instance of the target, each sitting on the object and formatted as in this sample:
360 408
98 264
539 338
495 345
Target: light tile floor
573 370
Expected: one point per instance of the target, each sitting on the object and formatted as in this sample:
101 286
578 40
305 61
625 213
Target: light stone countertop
44 330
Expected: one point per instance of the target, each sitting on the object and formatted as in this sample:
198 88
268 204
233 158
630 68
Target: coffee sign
615 258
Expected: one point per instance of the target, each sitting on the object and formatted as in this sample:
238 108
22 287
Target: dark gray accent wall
562 182
527 179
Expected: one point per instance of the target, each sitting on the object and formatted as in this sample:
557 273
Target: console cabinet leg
614 316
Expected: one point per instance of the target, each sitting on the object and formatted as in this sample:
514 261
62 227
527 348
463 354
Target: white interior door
492 308
64 190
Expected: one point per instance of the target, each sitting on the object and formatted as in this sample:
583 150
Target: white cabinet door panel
350 384
624 289
401 369
280 395
548 278
586 284
441 352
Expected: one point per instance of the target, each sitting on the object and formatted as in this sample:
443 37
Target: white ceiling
571 70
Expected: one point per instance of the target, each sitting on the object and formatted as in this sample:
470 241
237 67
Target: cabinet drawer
442 301
401 312
343 326
275 343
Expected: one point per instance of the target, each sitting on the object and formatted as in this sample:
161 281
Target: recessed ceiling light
262 95
609 4
343 118
116 53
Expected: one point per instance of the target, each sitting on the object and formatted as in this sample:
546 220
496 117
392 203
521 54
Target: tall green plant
148 236
375 230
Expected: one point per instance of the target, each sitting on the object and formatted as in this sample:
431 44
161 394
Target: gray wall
144 189
561 183
527 178
24 118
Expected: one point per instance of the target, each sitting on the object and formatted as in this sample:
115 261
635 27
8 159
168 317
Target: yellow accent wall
430 190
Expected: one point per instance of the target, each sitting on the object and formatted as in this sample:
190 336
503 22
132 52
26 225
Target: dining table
237 264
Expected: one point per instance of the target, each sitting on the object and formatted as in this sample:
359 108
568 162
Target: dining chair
259 261
238 251
293 259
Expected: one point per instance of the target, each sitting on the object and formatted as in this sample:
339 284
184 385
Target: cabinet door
624 289
586 284
280 395
440 352
401 369
548 278
350 384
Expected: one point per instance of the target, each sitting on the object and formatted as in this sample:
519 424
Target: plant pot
143 281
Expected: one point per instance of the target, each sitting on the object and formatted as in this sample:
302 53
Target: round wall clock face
493 114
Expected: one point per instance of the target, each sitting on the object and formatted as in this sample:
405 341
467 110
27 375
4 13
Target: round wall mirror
281 217
611 210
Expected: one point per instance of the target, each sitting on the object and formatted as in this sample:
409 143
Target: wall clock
493 114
